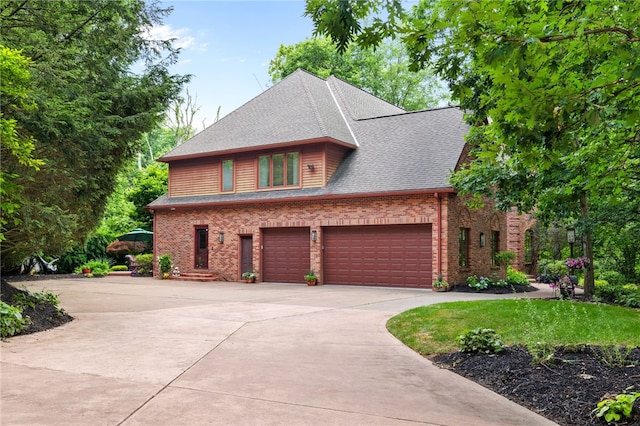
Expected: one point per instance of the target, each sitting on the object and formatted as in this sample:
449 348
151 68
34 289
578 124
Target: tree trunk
589 285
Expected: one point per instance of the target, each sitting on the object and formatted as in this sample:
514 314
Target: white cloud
181 36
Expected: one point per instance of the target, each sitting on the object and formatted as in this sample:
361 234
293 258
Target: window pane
495 246
227 175
292 168
528 246
264 177
464 247
278 169
202 238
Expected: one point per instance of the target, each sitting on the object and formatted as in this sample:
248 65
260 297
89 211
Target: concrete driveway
149 352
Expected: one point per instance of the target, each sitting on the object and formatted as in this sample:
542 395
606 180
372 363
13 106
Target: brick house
319 174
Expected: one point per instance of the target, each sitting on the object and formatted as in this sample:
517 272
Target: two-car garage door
395 255
398 255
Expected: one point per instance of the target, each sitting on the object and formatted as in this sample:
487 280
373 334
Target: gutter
323 197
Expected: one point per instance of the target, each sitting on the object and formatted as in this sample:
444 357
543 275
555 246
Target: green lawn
433 329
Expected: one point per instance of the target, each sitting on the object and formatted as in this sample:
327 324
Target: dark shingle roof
403 152
298 108
394 150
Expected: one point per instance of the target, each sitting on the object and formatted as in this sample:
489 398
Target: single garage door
397 255
285 254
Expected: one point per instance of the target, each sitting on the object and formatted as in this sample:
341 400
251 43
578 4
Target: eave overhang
175 203
258 148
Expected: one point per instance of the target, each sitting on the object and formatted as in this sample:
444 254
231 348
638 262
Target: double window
278 170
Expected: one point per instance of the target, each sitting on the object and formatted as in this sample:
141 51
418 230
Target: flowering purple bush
564 285
579 263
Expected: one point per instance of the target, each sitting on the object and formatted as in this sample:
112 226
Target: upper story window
278 170
227 175
463 254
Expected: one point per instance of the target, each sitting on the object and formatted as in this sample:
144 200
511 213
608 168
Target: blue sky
227 46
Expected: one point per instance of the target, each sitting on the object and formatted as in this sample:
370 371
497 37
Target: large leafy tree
383 72
552 88
149 184
99 83
15 144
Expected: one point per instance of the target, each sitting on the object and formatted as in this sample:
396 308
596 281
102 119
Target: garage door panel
378 255
286 254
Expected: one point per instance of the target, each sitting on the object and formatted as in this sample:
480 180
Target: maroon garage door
398 255
285 254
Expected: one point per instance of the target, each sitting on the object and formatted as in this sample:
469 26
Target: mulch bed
463 288
565 392
43 316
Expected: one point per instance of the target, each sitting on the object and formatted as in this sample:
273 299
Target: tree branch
554 38
70 35
16 10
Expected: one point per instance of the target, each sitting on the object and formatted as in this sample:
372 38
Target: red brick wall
517 226
485 219
174 230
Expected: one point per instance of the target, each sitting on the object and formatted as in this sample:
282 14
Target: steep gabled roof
394 151
300 107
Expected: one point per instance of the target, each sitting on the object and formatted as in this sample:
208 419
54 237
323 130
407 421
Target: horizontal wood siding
312 178
202 176
333 158
194 177
246 173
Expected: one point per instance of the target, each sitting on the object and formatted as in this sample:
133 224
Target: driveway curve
150 352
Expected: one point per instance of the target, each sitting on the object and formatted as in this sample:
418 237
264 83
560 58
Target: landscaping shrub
483 283
553 267
476 283
481 340
515 277
625 295
119 268
11 320
612 277
145 264
165 263
616 407
99 267
25 300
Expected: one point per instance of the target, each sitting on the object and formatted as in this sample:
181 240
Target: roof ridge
312 102
348 83
346 122
409 112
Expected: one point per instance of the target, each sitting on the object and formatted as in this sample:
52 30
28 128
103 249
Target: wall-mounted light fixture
483 240
221 237
314 235
311 166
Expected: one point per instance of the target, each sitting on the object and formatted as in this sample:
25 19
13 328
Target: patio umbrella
126 246
136 235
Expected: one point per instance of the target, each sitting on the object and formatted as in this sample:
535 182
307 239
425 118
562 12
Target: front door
202 243
246 250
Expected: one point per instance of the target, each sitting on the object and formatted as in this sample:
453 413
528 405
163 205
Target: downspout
155 241
439 220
